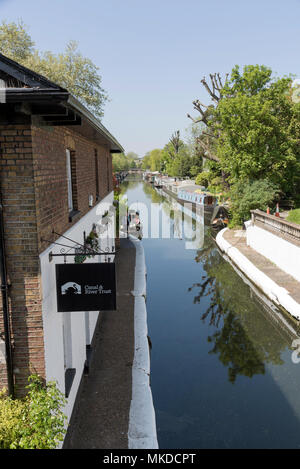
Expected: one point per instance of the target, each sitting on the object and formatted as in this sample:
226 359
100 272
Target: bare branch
209 135
194 120
211 93
198 103
205 146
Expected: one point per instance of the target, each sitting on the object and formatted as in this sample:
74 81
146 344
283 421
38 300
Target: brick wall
35 198
49 153
21 240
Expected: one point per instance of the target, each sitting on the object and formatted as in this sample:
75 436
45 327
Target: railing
276 223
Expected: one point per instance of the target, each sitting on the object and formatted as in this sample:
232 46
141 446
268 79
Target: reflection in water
221 369
243 340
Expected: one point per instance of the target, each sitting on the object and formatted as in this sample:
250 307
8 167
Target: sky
152 54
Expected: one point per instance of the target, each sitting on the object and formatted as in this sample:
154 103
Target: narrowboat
195 194
220 218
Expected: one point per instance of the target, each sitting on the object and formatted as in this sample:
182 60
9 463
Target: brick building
56 183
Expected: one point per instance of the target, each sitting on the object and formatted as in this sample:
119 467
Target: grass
294 216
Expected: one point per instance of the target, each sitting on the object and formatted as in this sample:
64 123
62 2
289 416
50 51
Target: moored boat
195 194
135 227
220 218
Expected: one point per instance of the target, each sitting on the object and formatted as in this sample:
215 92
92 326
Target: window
97 175
71 181
108 176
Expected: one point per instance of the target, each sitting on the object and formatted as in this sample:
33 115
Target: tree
250 129
132 155
70 69
123 162
175 142
15 42
258 194
206 140
254 121
177 157
153 160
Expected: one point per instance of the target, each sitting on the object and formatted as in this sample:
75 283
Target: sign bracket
84 249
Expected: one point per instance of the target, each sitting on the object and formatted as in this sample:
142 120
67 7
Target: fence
276 224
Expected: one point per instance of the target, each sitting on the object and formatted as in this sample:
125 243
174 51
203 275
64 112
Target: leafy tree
153 160
258 194
202 179
15 42
132 155
123 162
253 120
251 133
69 69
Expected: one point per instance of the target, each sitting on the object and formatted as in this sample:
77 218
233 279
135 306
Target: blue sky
153 54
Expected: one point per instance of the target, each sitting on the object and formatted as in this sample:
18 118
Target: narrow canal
222 374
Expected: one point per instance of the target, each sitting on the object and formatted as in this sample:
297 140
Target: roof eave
13 95
115 146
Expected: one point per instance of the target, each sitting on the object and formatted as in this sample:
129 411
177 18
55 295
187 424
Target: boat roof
190 188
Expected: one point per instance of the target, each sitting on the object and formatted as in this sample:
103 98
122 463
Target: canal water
222 374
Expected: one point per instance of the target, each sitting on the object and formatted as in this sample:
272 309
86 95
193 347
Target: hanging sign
86 287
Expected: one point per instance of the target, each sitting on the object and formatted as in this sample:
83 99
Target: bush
294 216
34 422
216 185
246 196
11 414
202 179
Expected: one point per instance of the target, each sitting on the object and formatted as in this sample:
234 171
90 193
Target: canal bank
114 408
280 287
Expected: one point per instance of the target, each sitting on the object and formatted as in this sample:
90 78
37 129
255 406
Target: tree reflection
244 339
235 350
149 190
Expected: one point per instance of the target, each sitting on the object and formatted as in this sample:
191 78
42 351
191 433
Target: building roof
36 95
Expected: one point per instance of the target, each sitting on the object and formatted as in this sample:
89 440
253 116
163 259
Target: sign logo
71 288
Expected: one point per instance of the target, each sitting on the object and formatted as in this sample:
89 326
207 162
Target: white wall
284 254
80 328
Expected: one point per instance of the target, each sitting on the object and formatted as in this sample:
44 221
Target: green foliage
202 179
216 185
246 196
294 216
91 243
256 121
123 162
69 69
15 42
11 415
155 159
254 79
35 422
177 159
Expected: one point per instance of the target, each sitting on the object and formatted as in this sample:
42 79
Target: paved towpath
238 240
101 415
